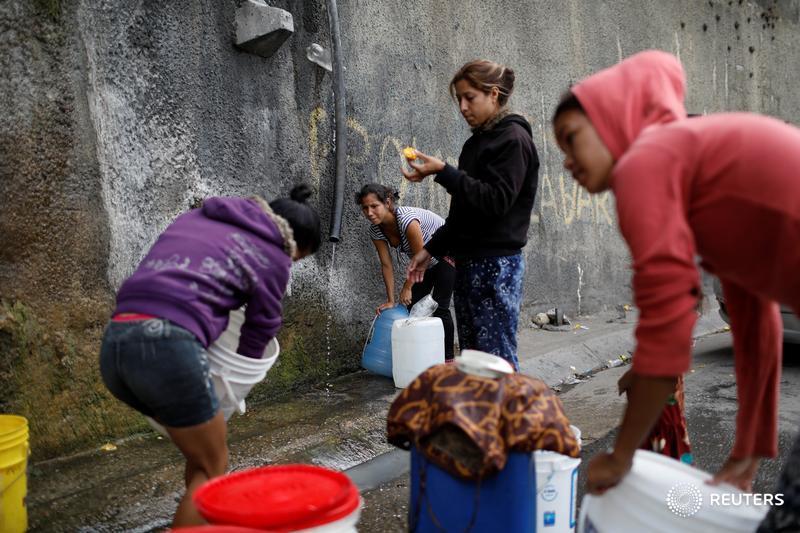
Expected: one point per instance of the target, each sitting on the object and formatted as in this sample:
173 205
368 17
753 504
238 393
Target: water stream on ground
328 384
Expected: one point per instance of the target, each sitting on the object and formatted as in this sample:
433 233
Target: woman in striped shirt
407 229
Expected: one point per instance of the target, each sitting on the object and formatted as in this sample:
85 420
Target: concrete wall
122 113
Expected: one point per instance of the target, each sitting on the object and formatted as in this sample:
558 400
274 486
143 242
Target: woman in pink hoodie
706 186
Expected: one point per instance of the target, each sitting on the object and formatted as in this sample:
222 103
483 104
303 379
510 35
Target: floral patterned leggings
487 297
670 436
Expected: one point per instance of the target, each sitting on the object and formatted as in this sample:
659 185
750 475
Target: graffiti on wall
387 150
561 198
564 200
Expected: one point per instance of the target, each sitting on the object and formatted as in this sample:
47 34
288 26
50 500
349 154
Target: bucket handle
8 485
240 405
18 476
369 335
423 494
547 482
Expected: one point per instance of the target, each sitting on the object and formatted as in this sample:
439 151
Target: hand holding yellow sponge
409 153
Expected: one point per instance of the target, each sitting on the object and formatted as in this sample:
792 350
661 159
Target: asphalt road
595 407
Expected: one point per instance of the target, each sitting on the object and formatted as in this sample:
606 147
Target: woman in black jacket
493 190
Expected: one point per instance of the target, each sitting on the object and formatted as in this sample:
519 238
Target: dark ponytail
301 217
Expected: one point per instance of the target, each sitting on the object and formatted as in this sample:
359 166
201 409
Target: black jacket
492 192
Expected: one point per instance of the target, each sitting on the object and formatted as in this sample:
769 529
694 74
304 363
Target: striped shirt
429 222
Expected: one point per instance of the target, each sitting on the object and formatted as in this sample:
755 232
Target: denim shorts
160 369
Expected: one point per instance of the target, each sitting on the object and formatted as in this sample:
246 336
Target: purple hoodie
211 260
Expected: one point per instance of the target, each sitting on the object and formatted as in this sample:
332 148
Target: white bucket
641 502
417 345
233 374
556 489
346 524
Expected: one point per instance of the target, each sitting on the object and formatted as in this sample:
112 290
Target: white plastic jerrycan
417 345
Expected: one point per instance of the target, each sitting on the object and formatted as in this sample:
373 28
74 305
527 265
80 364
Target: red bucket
281 498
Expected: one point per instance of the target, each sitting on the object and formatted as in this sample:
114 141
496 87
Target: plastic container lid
278 498
483 364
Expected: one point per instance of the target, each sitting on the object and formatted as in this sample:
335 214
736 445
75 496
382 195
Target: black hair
568 102
301 217
382 192
196 203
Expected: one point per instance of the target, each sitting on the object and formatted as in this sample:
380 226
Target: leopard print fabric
468 424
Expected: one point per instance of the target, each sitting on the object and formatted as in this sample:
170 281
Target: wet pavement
137 486
595 408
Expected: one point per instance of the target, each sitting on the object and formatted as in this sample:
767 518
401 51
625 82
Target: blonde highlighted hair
484 75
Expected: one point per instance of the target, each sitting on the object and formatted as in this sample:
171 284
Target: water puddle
380 470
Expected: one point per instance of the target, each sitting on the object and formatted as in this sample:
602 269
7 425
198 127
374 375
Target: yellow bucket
13 465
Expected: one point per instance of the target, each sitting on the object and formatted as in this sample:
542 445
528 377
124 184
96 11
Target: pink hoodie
724 187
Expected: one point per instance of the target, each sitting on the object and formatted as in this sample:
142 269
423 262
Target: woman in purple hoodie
209 261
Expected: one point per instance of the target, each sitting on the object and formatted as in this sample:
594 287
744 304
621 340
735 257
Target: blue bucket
377 355
503 502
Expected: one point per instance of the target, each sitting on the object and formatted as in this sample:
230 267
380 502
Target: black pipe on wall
340 121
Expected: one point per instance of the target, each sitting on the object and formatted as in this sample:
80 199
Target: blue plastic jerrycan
504 502
377 355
